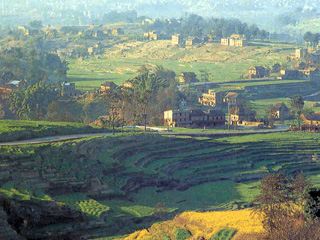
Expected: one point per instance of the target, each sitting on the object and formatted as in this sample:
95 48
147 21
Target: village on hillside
117 122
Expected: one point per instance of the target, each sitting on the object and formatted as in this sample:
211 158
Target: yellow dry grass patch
203 224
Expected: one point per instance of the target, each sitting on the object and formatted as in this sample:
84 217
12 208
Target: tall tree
297 104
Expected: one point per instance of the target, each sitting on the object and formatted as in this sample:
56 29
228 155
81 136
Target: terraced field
127 182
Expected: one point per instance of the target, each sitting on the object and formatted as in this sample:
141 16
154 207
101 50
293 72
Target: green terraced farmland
149 177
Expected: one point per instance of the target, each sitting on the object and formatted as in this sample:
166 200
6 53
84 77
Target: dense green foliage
182 234
32 103
224 234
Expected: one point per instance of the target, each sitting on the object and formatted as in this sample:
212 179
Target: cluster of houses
308 68
235 40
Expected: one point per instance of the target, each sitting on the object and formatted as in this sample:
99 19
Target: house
212 98
31 32
90 50
127 84
301 53
107 32
238 115
280 111
311 73
213 118
107 86
117 31
195 117
235 40
311 123
291 75
98 34
191 41
225 41
188 77
301 74
152 35
147 21
69 89
177 118
232 98
176 40
258 72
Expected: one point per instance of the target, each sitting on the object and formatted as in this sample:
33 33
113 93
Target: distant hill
253 11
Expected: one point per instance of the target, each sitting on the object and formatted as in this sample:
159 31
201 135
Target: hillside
121 62
115 185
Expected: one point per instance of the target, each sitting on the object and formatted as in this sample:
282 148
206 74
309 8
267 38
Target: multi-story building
195 117
212 98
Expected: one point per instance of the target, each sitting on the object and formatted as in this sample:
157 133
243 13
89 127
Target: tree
276 68
308 37
36 24
280 205
32 103
112 102
297 104
204 76
2 112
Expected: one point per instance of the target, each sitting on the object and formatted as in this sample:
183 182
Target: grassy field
138 176
121 62
11 130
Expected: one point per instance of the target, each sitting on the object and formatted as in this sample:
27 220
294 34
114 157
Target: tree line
196 26
312 39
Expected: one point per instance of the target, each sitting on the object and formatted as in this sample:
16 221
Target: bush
224 234
182 234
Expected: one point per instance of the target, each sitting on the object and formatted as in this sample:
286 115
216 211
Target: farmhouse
191 41
107 86
176 40
239 115
301 53
195 117
311 123
212 98
152 35
304 74
258 72
280 111
188 77
235 40
232 98
117 31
